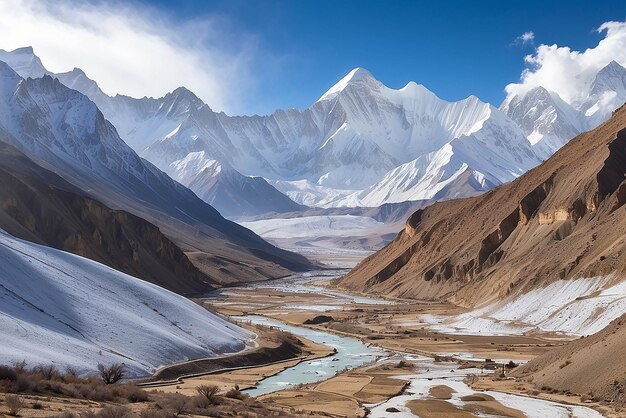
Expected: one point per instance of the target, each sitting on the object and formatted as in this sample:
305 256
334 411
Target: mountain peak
358 75
611 77
24 62
7 72
24 50
612 70
78 71
613 66
183 94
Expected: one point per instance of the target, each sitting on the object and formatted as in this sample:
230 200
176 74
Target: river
351 353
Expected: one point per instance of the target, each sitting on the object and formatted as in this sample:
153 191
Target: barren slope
38 205
591 366
563 219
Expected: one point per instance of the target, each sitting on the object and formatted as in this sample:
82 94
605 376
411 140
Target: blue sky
455 48
254 56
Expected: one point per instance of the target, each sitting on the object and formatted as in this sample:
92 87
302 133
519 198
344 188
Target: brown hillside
593 366
563 219
37 205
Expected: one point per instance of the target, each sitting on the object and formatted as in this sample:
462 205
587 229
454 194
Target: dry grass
51 387
14 404
49 380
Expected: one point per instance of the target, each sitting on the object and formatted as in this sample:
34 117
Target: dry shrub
71 375
131 393
135 394
14 404
24 383
48 372
175 402
94 391
115 412
209 392
235 393
19 366
113 373
7 373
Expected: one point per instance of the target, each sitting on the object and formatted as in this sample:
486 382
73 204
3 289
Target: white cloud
133 50
570 73
526 37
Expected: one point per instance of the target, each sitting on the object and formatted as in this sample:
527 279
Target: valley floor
358 356
411 351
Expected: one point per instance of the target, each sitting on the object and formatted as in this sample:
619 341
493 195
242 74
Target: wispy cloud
568 72
525 38
133 49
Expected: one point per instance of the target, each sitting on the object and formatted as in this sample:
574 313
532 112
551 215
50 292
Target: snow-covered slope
550 122
62 308
227 190
24 62
576 307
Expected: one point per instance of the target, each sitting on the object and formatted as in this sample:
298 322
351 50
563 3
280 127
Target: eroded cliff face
564 219
39 206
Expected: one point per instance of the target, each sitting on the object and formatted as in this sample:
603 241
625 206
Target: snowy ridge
24 61
62 308
343 150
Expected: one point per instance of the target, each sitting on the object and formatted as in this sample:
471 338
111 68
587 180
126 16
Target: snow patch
572 307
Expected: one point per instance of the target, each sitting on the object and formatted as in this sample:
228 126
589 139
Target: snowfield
62 308
313 226
573 307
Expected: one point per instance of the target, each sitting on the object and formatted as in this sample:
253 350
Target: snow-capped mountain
347 148
62 308
549 122
63 131
360 144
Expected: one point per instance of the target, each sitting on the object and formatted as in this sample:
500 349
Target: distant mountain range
360 144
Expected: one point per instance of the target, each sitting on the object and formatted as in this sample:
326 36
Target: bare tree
113 373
